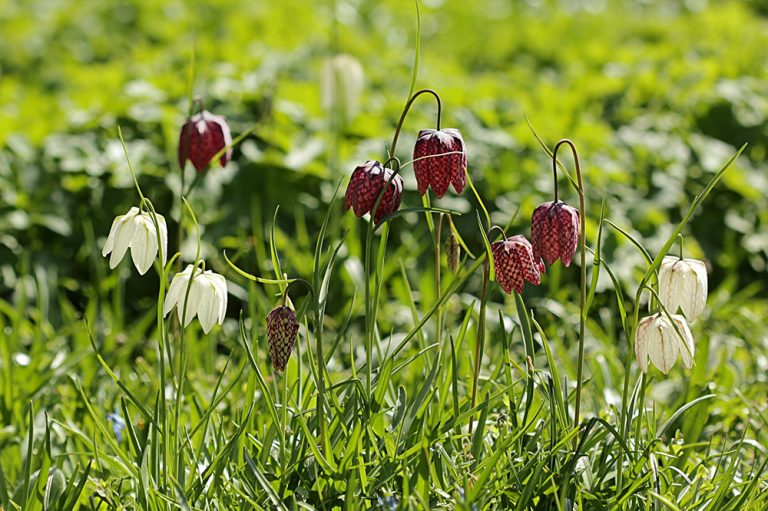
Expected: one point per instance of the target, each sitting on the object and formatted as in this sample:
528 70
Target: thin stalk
438 315
480 338
583 250
405 113
320 377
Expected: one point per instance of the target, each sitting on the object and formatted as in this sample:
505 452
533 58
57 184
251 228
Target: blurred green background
656 96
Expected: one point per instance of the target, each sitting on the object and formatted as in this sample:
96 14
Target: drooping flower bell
656 339
136 230
555 232
207 297
282 327
202 136
440 159
683 285
366 184
515 264
342 82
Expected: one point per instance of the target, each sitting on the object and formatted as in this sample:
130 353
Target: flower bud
440 159
201 138
366 184
453 250
555 232
683 285
282 327
514 264
656 339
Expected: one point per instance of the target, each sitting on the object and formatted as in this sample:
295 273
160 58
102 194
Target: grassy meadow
415 381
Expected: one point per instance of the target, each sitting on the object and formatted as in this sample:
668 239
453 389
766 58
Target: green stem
405 113
480 338
583 250
438 315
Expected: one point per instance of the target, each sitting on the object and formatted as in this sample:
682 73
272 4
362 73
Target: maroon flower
282 327
514 264
366 184
202 136
440 159
555 232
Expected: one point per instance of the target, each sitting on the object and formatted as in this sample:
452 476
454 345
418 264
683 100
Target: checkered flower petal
555 232
282 327
440 159
515 264
366 184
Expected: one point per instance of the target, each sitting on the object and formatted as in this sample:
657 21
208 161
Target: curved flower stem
438 314
583 250
405 113
480 338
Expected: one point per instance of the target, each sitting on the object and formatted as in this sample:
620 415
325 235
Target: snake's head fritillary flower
136 230
683 285
366 184
342 83
555 232
207 297
658 340
440 159
202 136
282 327
514 264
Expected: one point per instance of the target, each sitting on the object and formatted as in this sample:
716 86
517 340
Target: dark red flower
514 264
366 184
440 159
202 136
282 327
555 232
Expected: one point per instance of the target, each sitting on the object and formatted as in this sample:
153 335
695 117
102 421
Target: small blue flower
388 502
118 424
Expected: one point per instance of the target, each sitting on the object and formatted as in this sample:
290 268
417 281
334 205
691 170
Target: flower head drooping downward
282 327
683 285
366 184
440 159
136 230
207 297
555 232
656 339
514 264
202 136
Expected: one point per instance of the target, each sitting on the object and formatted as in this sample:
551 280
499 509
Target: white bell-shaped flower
656 339
342 83
683 285
136 230
207 297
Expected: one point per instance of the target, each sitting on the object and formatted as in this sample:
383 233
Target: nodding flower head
440 159
515 264
366 184
136 230
657 339
202 136
555 232
282 327
683 285
207 297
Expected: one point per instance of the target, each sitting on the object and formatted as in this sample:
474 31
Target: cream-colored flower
207 297
136 230
656 339
683 285
342 82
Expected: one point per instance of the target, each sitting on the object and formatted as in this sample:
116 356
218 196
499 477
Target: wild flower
683 286
514 263
282 327
201 138
207 297
440 159
555 232
136 230
366 184
118 425
657 339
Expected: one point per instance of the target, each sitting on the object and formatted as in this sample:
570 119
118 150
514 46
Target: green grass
656 99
